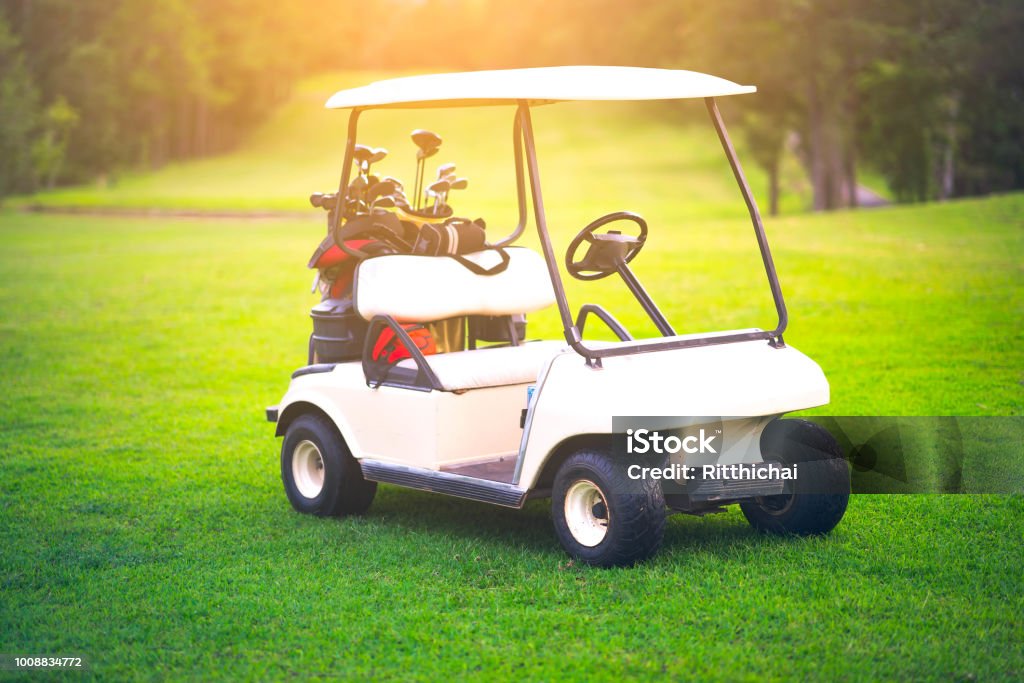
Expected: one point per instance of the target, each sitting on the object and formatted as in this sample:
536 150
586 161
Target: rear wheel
602 517
819 495
320 476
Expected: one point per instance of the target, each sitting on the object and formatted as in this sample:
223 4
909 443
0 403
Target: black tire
314 453
634 512
819 494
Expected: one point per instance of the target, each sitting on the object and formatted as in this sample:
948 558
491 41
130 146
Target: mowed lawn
143 522
144 526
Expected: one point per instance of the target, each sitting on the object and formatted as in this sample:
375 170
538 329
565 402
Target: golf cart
517 420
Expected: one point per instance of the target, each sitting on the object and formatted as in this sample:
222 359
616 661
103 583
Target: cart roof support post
572 335
517 151
755 218
350 145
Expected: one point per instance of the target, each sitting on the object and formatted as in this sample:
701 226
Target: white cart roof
538 86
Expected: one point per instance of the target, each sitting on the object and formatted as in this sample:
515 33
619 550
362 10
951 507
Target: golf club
383 202
365 157
379 189
435 190
360 154
454 184
428 144
445 172
358 186
378 155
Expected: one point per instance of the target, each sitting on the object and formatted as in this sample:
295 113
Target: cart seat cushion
428 288
490 367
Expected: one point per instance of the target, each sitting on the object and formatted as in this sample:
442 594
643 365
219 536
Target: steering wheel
605 250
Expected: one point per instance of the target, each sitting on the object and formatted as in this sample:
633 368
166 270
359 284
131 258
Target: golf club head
357 187
402 202
382 188
384 202
438 187
362 154
458 184
426 140
394 181
324 201
445 169
377 155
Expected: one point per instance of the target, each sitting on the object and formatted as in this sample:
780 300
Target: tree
19 115
805 57
946 100
766 137
49 152
989 88
927 91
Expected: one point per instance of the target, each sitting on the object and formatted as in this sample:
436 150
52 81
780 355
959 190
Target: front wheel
603 518
818 497
320 476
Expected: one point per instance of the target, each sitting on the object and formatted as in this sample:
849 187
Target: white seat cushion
427 288
490 367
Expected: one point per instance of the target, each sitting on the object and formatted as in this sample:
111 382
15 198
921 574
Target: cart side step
735 489
450 484
704 497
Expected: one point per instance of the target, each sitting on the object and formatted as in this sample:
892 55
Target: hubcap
776 505
586 513
308 469
779 504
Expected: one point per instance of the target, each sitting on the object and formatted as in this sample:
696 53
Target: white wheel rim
308 469
585 526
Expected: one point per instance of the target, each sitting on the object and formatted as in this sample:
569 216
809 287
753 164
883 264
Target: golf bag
390 349
338 331
458 236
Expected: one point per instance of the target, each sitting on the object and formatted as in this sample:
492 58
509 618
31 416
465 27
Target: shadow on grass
434 514
531 528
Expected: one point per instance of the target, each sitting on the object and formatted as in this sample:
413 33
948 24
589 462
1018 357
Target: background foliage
927 92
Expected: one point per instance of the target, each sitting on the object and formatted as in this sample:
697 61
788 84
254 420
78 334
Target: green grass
144 526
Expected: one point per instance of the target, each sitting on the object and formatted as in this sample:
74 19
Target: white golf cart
522 419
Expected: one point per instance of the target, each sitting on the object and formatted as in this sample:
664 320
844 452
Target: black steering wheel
607 250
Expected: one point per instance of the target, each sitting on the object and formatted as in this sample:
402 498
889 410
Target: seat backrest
428 288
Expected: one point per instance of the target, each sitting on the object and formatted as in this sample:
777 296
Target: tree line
89 87
928 93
